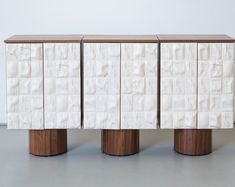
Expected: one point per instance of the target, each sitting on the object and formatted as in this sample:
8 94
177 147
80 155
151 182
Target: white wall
111 17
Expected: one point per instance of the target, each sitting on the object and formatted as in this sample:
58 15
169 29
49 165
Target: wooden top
194 38
120 39
44 39
169 38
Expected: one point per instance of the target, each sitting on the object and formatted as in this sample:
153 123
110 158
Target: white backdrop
111 17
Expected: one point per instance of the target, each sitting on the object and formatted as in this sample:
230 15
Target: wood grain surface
193 142
47 142
120 39
171 38
44 39
120 142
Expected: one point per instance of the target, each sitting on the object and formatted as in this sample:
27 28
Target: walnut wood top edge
45 39
120 39
161 38
171 38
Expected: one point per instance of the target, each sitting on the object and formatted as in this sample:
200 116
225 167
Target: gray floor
84 165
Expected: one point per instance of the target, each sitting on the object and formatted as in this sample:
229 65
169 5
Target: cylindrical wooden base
193 142
47 142
120 142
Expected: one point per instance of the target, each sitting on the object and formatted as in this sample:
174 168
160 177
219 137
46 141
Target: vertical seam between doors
159 87
197 87
82 85
120 85
43 83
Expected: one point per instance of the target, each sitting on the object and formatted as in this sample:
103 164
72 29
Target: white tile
25 121
12 86
25 69
13 120
12 68
166 120
139 86
102 85
227 119
36 68
25 86
36 85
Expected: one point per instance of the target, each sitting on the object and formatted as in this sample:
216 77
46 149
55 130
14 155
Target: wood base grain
193 142
47 142
120 142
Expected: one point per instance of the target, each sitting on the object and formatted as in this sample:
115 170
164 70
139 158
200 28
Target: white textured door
24 86
139 72
178 85
62 85
215 85
101 85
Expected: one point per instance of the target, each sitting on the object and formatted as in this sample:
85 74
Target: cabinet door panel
139 85
24 86
178 85
101 85
215 85
62 85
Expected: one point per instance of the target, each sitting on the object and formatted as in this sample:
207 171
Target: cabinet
120 82
197 81
43 82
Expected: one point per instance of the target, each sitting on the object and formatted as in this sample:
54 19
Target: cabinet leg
193 142
120 142
47 142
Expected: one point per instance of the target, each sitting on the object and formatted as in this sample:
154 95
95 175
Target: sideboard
120 84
